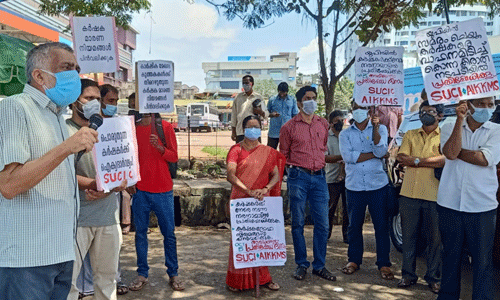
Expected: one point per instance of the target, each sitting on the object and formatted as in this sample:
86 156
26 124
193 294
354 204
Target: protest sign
379 76
155 86
258 232
94 41
456 62
115 155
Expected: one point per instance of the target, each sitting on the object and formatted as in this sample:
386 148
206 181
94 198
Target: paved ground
203 255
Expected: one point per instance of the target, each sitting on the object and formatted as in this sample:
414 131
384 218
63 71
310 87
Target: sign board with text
115 155
155 86
258 232
95 44
456 62
379 76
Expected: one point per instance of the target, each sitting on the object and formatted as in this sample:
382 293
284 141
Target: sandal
176 284
386 273
300 273
325 274
273 286
232 289
350 268
121 289
138 283
126 229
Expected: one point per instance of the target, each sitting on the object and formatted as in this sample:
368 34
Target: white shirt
466 187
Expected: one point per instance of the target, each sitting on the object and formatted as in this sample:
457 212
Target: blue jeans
377 205
51 282
302 187
163 206
478 231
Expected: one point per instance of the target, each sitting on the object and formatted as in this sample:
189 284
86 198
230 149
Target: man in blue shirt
281 108
362 146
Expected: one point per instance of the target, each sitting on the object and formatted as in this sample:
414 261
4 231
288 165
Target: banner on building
95 44
115 155
379 76
155 86
456 62
258 232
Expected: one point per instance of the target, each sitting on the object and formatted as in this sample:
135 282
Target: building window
423 24
463 13
472 13
436 23
404 33
443 22
452 12
488 24
291 67
489 33
413 33
387 41
230 85
413 43
291 78
229 73
403 43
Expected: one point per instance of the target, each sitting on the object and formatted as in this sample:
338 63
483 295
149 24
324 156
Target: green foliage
122 10
267 88
218 152
343 94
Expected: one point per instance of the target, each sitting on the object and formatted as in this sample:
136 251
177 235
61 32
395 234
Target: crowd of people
61 236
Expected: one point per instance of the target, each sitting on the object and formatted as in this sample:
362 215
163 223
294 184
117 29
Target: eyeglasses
429 112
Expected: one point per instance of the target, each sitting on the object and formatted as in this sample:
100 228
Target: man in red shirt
155 192
303 142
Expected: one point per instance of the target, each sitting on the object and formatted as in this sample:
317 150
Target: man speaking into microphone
98 231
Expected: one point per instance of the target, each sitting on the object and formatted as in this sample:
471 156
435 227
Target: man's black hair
303 90
106 88
250 77
250 117
86 83
334 114
131 95
283 87
439 107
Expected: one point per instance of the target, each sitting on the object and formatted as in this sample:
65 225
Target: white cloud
309 57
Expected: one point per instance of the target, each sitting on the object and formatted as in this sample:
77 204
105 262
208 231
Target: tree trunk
329 96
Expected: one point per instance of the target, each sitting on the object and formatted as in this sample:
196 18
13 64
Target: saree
255 171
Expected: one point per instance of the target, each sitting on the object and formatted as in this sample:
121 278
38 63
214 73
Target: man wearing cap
281 108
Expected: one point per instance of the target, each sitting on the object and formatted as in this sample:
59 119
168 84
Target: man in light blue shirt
281 108
362 146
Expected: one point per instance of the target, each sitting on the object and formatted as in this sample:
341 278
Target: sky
189 34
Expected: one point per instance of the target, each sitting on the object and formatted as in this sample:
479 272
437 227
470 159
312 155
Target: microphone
94 122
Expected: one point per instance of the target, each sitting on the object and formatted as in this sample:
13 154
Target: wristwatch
416 161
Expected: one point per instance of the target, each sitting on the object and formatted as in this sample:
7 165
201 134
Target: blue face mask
482 115
360 115
252 133
110 110
67 89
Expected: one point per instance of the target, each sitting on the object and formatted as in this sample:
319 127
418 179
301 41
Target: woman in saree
254 170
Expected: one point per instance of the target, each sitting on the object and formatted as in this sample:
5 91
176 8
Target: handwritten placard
456 62
115 155
95 44
258 232
155 86
379 76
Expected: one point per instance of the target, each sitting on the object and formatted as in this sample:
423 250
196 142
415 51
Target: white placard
456 62
95 44
258 232
379 76
155 86
115 155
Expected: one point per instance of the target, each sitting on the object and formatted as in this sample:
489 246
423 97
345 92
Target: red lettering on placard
380 91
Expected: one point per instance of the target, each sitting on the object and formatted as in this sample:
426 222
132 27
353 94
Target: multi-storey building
184 91
224 78
406 37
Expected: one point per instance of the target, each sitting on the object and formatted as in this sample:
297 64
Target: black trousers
336 190
273 142
478 231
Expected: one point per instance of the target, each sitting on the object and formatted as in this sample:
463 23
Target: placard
95 44
115 155
379 76
258 232
155 86
456 62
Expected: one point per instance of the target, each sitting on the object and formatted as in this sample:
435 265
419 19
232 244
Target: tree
266 87
120 9
336 22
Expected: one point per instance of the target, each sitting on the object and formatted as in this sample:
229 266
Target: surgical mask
309 107
110 110
482 115
426 119
338 126
91 108
67 88
252 133
359 115
247 88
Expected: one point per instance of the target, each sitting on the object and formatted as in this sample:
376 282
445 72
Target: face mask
360 115
67 88
482 115
426 119
252 133
309 107
110 110
247 88
90 108
338 126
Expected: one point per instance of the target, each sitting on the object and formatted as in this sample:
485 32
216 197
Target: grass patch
218 152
